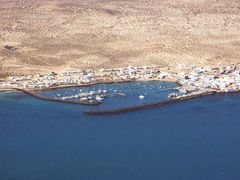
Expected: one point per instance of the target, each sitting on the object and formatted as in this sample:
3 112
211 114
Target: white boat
172 95
98 98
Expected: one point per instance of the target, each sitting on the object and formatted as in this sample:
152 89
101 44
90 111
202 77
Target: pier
31 93
147 106
193 82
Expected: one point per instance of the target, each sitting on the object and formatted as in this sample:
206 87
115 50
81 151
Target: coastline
31 92
6 89
88 84
193 82
117 110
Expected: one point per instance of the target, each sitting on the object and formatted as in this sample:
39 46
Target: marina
192 82
116 95
119 90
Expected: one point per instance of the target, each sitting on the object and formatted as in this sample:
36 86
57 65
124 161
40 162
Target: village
192 80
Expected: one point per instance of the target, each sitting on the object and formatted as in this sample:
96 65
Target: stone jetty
194 81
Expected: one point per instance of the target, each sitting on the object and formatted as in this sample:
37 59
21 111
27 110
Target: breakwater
32 93
147 106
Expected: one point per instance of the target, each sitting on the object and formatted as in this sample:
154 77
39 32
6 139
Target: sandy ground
59 35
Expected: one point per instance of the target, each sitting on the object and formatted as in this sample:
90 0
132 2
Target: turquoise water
193 140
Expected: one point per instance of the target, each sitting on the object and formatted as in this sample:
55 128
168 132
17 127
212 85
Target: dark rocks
10 48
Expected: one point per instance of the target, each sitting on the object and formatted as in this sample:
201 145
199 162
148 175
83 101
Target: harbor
192 81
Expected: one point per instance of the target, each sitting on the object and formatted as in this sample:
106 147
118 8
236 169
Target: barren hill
44 35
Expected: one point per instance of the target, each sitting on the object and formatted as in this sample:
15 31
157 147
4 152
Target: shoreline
31 92
117 110
87 84
81 78
192 81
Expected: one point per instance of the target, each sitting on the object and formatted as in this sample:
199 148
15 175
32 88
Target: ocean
192 140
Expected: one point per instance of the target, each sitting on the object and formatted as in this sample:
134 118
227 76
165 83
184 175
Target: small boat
172 95
98 98
83 99
141 97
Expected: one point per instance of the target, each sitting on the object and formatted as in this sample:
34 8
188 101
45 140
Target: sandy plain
38 36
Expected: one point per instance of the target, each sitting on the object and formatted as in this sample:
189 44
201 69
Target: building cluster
78 77
198 80
193 80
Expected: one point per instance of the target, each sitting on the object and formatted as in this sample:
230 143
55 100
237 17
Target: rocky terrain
42 35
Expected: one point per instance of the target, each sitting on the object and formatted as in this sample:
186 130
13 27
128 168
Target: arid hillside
43 35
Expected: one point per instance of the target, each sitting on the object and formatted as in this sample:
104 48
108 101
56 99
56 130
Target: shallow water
197 139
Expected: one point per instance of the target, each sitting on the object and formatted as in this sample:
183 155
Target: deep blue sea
192 140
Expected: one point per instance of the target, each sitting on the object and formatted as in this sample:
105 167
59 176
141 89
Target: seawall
31 93
147 106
